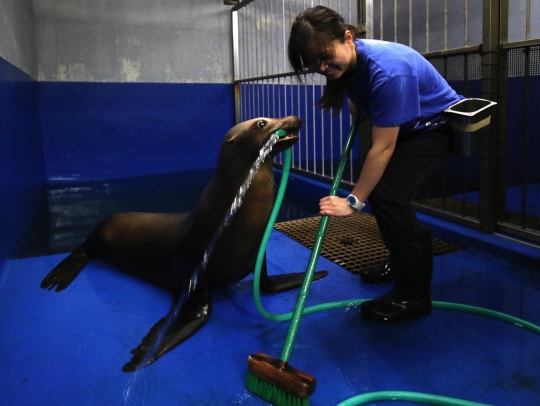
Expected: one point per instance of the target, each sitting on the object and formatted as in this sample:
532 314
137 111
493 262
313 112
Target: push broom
274 379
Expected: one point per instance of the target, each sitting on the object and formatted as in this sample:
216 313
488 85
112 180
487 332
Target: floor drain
352 242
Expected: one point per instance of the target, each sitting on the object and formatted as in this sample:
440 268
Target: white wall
17 35
168 41
165 41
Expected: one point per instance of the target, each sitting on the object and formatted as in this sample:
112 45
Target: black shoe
412 259
381 273
389 308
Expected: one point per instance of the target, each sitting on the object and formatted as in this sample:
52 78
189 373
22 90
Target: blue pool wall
95 131
58 132
22 165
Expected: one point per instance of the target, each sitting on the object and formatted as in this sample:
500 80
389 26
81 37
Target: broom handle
321 231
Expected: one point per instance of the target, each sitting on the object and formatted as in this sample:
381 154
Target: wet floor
68 348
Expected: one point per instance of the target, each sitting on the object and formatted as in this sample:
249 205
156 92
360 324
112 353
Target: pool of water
68 212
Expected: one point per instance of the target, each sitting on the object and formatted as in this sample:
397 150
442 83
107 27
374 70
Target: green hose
407 396
300 311
320 234
304 290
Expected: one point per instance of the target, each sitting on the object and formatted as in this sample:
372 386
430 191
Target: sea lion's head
247 138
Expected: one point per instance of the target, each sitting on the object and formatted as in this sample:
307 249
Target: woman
404 97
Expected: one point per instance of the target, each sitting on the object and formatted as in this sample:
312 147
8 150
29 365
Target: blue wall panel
22 170
97 131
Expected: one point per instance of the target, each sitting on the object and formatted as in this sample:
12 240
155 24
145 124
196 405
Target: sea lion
164 249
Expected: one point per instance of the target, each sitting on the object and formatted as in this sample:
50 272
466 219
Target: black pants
415 157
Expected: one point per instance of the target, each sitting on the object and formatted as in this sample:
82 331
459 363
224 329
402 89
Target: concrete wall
166 41
17 35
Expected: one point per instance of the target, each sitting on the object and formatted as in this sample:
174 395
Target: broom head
282 375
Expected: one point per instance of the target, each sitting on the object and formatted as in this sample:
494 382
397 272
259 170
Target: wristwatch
355 203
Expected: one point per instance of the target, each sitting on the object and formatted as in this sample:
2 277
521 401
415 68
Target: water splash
186 292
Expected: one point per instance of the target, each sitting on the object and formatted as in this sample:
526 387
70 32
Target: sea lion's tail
67 270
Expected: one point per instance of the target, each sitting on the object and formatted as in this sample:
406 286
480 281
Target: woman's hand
335 206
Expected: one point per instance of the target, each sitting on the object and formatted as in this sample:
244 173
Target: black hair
322 25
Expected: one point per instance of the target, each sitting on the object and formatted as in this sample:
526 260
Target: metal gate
481 47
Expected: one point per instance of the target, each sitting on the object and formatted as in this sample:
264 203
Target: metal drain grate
352 242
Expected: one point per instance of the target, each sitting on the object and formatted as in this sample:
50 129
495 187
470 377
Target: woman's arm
384 142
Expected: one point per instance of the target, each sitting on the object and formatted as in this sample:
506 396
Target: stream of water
187 291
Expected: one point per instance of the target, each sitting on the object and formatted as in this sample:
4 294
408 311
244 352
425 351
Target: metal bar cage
266 87
481 47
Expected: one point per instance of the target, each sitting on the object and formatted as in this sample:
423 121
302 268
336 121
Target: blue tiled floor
68 348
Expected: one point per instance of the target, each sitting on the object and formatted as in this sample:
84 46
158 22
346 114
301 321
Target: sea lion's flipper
67 270
283 282
193 314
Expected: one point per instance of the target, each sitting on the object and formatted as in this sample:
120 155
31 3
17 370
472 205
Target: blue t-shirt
396 86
